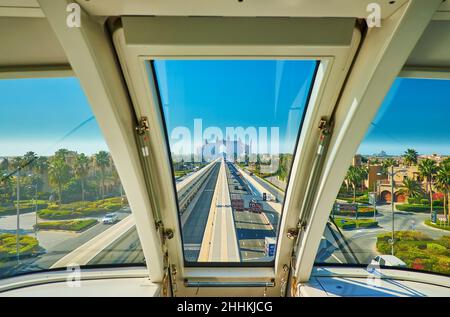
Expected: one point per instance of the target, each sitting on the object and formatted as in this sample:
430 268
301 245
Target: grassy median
67 225
438 225
346 224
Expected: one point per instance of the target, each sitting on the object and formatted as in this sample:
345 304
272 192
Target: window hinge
324 125
143 126
292 233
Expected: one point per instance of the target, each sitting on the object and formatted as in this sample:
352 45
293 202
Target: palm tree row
60 170
433 175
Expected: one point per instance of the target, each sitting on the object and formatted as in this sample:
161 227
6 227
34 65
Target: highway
125 250
251 227
86 252
197 215
220 243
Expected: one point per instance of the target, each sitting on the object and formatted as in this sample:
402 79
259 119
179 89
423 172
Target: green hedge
25 207
28 246
69 225
417 207
362 212
80 209
70 214
348 224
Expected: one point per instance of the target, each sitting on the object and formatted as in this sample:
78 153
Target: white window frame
135 50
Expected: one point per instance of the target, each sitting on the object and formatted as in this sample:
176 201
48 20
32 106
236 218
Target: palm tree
102 161
29 160
386 164
4 164
18 163
40 167
6 183
81 169
443 184
62 153
410 157
411 188
427 170
354 176
59 174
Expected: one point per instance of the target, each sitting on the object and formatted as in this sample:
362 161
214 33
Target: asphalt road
51 256
125 250
251 228
224 244
194 227
362 242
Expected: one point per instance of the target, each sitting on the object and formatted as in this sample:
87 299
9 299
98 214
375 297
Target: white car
110 219
387 260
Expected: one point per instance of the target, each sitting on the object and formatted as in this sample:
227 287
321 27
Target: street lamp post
35 208
392 174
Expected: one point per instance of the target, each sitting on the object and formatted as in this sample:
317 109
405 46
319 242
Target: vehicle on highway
109 219
387 260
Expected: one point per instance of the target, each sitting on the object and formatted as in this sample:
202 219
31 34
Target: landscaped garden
25 206
363 211
67 225
80 209
418 250
348 224
28 246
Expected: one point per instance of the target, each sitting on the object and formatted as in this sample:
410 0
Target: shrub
352 223
79 209
368 224
413 200
438 203
27 246
416 208
70 225
437 248
424 201
418 251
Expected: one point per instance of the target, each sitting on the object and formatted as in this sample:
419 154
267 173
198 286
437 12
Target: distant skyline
35 114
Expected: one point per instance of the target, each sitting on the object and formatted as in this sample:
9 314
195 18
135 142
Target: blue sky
414 114
236 93
35 114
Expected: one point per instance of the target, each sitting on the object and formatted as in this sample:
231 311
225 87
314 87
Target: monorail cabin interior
126 171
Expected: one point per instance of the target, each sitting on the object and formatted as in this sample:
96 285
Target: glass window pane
60 193
392 208
232 127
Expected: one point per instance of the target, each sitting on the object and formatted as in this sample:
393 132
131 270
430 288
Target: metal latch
143 126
